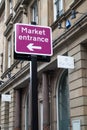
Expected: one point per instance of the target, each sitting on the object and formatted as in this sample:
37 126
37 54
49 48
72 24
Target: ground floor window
41 115
63 103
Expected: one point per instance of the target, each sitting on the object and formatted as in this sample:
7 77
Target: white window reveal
11 6
41 117
55 10
35 12
9 52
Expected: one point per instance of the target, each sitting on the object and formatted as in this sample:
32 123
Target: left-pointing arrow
31 47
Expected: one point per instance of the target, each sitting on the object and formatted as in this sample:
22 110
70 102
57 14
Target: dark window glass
63 103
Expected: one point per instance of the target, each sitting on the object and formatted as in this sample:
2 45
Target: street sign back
33 39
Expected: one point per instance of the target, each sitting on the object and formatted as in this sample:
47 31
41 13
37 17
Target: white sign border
41 54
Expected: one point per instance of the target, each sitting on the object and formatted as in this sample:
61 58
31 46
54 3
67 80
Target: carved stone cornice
2 6
17 5
18 13
8 29
18 76
76 3
9 19
77 28
25 2
10 69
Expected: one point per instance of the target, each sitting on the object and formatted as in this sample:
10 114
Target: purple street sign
33 39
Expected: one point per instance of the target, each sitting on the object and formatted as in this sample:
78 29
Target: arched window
63 103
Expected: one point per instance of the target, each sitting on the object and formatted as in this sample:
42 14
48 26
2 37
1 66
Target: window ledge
18 13
17 4
9 19
9 27
2 6
25 1
10 69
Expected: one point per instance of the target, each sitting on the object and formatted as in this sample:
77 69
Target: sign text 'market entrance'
34 38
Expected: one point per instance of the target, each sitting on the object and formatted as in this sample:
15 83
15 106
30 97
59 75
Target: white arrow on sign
31 47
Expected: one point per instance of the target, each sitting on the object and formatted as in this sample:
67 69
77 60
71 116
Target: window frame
41 115
58 8
34 12
10 6
26 112
9 51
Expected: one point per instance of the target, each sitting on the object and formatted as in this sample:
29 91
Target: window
11 6
7 110
26 112
41 117
58 8
34 12
63 103
7 115
9 52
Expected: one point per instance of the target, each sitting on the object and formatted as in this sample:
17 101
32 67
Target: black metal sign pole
34 93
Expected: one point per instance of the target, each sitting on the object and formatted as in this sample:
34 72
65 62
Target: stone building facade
62 93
